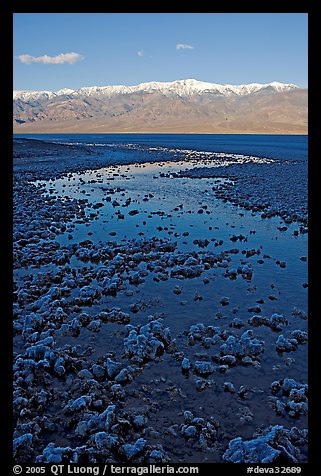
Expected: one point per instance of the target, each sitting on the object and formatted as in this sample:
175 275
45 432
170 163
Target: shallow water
275 146
169 207
225 220
178 201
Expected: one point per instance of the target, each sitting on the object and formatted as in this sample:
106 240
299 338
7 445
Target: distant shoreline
63 132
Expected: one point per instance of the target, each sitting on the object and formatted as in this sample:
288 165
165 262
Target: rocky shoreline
274 189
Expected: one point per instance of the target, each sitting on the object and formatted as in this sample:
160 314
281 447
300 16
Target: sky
53 51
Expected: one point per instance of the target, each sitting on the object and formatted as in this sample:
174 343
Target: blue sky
54 51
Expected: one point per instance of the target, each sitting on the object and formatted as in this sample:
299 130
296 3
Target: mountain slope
179 106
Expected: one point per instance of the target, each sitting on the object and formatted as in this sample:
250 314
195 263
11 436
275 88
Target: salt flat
157 318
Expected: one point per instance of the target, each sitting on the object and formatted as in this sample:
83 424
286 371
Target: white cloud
70 58
140 53
183 46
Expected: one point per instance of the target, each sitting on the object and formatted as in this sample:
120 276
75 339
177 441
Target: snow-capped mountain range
183 106
182 88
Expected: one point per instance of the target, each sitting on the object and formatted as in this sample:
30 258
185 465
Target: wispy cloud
70 58
183 46
140 53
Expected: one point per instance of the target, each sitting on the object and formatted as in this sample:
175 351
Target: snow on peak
187 87
182 87
64 91
27 95
282 86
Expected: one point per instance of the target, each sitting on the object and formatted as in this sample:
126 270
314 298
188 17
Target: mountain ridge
185 86
178 106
